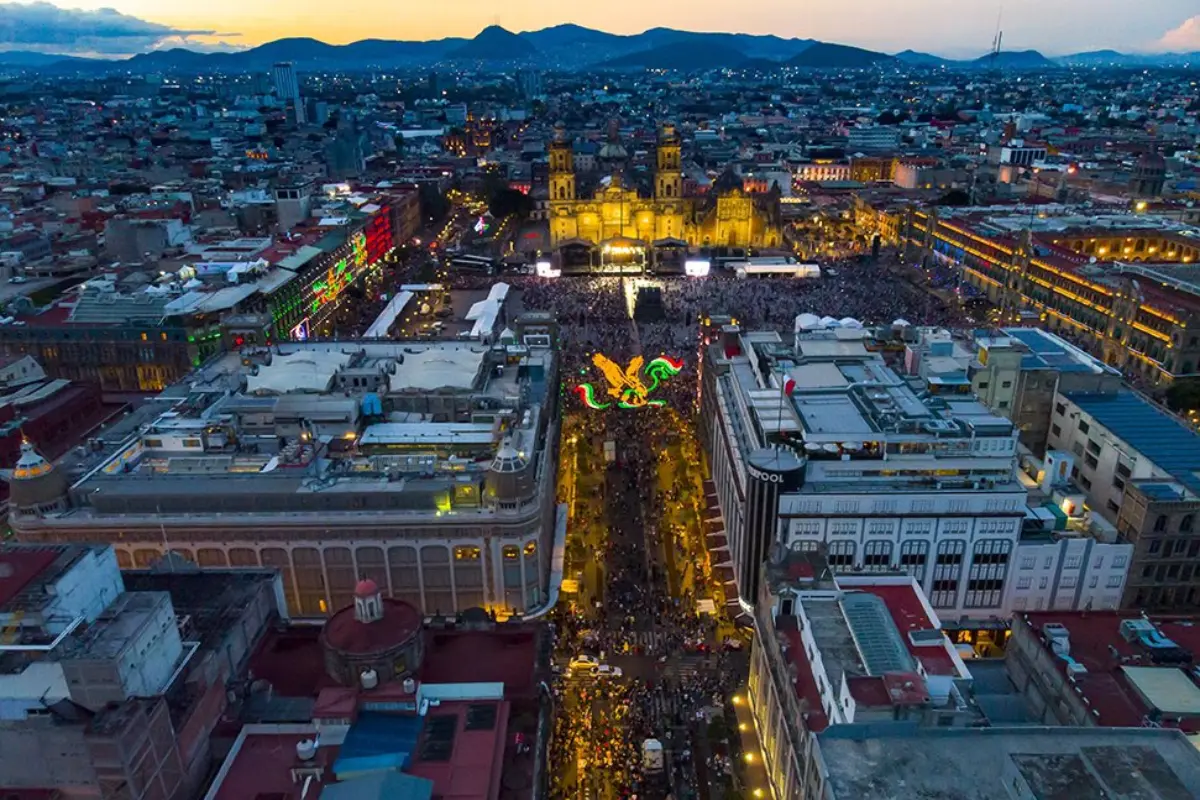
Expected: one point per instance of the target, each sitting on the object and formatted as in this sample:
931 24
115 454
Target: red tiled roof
473 770
869 691
19 567
806 684
401 622
503 656
292 662
263 767
1096 643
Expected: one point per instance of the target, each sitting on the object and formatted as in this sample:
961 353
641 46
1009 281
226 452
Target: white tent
807 322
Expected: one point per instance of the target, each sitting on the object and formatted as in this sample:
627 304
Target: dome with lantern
510 478
377 636
34 484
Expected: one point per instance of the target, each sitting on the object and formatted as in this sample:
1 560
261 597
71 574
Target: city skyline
124 27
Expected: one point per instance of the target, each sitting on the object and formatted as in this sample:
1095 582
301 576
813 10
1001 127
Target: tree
509 202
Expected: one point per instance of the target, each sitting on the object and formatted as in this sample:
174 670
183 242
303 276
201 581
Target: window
1024 583
1060 409
466 553
983 385
841 555
1043 583
913 556
1160 524
1091 461
511 552
1006 384
1028 562
1085 482
1185 525
1093 581
1084 427
152 443
1072 562
1119 562
1123 470
1118 484
191 442
1067 582
1054 429
1154 545
1113 581
877 556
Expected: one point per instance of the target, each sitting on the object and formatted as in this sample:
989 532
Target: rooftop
324 419
1044 763
1048 351
1154 433
292 661
1116 685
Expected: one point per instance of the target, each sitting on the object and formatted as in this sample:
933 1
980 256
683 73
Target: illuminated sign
359 244
481 226
696 268
379 235
328 289
300 332
631 387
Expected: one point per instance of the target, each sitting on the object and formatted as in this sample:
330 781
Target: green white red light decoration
630 387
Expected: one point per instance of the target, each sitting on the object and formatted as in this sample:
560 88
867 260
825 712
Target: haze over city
944 27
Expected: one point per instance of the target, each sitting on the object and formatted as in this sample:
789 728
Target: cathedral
620 228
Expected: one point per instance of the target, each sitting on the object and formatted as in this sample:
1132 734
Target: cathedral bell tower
562 167
668 178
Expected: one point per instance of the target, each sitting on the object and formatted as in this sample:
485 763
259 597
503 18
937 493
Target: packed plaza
805 428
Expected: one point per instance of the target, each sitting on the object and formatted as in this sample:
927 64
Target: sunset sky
945 27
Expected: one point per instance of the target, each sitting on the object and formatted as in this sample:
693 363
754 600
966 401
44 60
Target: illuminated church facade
618 225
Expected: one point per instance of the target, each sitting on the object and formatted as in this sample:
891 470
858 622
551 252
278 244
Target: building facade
617 219
1141 317
302 469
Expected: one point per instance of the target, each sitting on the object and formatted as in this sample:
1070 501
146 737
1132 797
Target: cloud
199 46
45 27
1184 38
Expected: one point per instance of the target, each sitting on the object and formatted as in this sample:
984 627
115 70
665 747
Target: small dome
508 459
30 464
366 588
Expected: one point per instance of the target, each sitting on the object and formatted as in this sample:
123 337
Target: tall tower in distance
562 167
287 88
668 177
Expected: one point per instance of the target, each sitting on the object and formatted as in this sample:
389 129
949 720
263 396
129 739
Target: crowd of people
642 615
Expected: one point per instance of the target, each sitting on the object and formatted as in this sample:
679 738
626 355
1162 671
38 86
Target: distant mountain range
569 47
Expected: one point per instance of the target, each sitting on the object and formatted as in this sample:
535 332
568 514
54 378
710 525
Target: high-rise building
287 88
428 468
110 683
818 444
